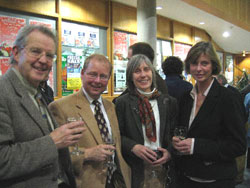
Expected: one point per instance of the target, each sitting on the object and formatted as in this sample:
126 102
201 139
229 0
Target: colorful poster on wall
132 39
4 65
120 45
71 73
74 72
36 22
9 27
181 50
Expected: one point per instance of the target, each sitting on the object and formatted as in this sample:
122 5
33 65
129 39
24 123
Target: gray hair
23 33
133 64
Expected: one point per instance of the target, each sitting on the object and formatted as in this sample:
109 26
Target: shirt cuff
192 147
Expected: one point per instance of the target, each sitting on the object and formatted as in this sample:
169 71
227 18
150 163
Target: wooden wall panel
164 30
182 33
124 17
44 7
200 35
92 12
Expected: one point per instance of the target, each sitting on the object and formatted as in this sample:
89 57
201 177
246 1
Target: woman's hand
165 157
183 146
144 153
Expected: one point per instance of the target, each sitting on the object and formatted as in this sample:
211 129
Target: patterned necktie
43 110
100 120
103 130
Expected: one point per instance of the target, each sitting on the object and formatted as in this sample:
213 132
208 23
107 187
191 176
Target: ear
82 73
15 53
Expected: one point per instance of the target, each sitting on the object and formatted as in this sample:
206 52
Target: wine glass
181 133
76 150
110 163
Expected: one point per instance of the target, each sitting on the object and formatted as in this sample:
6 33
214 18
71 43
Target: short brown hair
98 57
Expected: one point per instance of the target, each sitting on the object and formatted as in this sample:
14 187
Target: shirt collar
193 92
32 90
89 98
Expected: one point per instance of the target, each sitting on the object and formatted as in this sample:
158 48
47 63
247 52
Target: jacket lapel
136 113
207 106
27 103
83 109
111 116
163 105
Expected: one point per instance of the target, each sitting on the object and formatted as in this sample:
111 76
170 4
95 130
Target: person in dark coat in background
47 92
147 50
172 68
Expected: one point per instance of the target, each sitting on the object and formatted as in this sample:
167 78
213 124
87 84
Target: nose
198 66
43 58
142 73
97 79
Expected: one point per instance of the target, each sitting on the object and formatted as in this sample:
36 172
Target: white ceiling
238 40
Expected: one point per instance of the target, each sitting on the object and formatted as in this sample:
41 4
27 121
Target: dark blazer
28 156
219 132
131 129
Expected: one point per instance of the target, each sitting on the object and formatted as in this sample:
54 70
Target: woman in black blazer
145 117
216 133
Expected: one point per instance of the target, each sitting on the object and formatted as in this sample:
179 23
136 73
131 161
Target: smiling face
35 69
142 77
95 78
201 70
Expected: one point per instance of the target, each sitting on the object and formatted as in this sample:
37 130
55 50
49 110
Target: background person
145 117
172 68
89 167
33 149
216 128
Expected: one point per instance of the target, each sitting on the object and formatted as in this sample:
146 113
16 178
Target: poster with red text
132 39
36 22
181 50
4 65
9 27
120 45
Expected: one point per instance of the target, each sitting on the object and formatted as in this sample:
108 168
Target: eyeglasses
38 53
93 75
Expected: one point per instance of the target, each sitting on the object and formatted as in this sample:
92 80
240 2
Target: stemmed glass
109 140
76 150
181 133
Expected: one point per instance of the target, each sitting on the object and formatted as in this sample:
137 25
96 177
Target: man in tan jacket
89 166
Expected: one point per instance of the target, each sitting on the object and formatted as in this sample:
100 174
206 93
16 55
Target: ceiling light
158 8
202 23
244 53
226 34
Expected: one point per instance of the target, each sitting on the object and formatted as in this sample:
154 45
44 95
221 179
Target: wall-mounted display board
78 42
122 41
10 24
181 51
220 56
164 50
229 68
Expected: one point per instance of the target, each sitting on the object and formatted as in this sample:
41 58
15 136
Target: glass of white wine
181 133
76 150
109 140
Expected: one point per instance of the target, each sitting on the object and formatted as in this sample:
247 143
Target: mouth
40 68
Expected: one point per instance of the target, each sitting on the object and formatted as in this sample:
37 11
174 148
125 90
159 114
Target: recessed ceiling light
158 8
202 23
226 34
